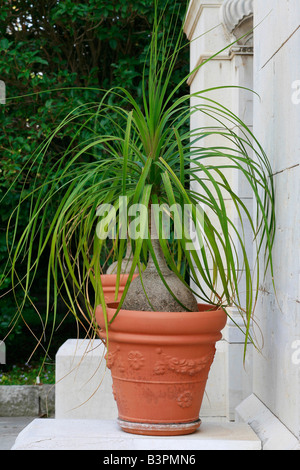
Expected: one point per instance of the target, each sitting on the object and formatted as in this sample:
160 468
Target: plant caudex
152 157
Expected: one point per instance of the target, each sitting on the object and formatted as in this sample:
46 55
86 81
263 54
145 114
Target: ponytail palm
150 156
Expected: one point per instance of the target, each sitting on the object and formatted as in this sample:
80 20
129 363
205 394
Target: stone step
80 434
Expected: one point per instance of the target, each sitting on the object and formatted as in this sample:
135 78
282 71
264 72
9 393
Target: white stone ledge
57 434
272 432
83 385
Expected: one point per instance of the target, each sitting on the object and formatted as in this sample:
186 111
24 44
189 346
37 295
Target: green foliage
26 374
57 56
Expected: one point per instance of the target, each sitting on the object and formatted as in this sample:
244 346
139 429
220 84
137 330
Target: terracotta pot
159 363
109 285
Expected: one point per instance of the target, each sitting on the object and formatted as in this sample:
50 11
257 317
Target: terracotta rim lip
110 279
203 309
149 322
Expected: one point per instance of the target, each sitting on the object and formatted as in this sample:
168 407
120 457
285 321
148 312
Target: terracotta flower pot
159 363
109 285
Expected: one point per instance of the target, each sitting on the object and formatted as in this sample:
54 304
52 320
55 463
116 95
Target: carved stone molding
237 17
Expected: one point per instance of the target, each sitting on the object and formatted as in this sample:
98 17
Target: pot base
159 429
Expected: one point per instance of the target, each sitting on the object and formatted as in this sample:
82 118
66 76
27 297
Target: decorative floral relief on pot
114 392
181 366
110 357
136 360
185 399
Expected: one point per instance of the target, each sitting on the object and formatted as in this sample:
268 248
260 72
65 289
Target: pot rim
209 319
110 279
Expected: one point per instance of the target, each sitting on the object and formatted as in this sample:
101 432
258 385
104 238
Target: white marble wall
275 75
277 126
229 381
232 67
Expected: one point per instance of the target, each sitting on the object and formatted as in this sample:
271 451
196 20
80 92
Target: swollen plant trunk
150 292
